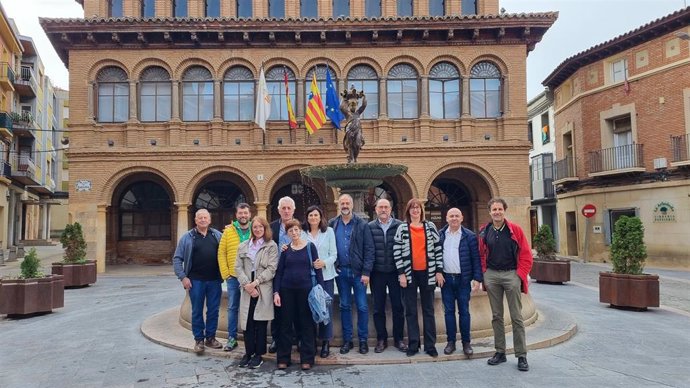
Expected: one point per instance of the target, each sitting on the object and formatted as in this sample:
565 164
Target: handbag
319 300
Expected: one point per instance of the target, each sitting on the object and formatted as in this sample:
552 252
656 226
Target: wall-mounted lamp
403 139
487 136
111 142
153 142
280 140
683 35
195 141
238 141
445 137
65 141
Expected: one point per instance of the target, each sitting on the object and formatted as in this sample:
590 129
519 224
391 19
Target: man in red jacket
506 260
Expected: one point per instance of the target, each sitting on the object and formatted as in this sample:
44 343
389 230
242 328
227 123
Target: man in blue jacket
462 272
354 263
196 265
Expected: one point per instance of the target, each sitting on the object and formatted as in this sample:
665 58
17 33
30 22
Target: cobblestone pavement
95 341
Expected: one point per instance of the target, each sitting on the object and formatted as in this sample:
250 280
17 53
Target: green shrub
73 243
628 252
31 266
544 243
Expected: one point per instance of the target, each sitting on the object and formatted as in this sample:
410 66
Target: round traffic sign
589 210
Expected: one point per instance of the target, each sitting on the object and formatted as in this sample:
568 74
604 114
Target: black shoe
244 361
432 352
450 348
381 345
273 347
363 347
401 346
255 362
411 352
467 349
325 349
345 349
522 364
497 359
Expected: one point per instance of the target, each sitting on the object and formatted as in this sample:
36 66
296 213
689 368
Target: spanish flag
292 121
316 114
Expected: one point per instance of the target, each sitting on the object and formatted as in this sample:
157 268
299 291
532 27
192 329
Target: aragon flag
316 115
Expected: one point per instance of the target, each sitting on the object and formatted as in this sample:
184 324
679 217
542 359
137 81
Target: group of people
269 270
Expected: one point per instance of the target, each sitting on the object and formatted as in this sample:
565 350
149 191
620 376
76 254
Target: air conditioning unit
660 163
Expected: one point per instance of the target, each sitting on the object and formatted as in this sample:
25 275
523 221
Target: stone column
90 111
133 110
383 99
299 100
425 97
261 209
465 97
216 99
175 100
182 220
100 237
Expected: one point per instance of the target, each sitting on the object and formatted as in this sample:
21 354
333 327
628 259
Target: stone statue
354 141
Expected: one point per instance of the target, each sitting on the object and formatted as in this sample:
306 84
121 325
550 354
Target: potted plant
626 285
78 271
547 268
31 292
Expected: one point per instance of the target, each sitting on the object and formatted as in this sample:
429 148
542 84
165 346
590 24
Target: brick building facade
162 108
622 118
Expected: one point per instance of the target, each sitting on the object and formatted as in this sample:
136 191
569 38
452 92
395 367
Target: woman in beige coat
257 260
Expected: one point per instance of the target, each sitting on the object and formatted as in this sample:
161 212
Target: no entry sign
589 210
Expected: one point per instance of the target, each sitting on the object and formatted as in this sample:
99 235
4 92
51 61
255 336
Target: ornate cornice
161 33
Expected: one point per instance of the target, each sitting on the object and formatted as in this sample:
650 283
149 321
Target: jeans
349 284
498 283
208 292
326 331
426 299
455 290
233 305
380 281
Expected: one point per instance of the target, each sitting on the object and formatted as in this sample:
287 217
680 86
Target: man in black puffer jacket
384 275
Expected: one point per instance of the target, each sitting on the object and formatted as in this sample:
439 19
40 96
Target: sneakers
497 359
199 347
255 362
245 361
213 343
230 345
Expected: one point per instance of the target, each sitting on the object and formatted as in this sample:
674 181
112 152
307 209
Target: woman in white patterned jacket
419 260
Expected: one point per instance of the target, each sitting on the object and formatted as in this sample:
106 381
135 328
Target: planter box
549 271
635 291
29 296
76 275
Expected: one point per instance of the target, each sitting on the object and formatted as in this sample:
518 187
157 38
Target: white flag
263 102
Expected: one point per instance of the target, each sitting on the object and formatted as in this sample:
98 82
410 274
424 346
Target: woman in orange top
418 257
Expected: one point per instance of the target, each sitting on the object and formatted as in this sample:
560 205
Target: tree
72 240
544 243
628 251
30 266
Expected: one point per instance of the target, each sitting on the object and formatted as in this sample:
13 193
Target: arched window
444 91
244 9
320 80
155 95
445 194
364 78
485 90
405 7
372 8
212 8
220 198
341 8
179 8
468 7
437 7
308 9
144 212
113 95
238 94
148 8
402 92
275 82
115 8
197 94
276 9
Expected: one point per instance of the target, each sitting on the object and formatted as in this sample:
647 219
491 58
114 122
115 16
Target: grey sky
581 25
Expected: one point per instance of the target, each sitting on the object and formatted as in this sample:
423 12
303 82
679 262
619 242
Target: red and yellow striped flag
292 121
316 114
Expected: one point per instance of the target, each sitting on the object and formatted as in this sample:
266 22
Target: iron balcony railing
616 158
564 168
25 166
6 170
680 148
6 72
6 120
